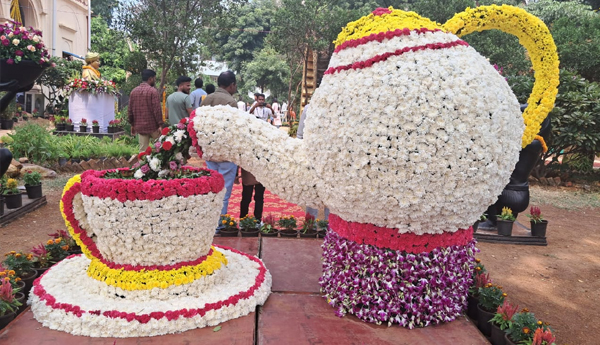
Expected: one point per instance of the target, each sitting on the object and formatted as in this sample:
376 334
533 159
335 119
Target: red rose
141 154
183 121
149 150
167 145
165 131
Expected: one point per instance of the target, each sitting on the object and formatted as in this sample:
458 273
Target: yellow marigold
2 274
65 248
18 255
57 241
50 242
224 221
504 294
29 257
526 330
540 322
17 279
11 183
12 252
231 223
11 273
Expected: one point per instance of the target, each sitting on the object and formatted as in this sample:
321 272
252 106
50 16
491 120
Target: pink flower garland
67 200
390 238
39 291
380 36
192 134
383 57
93 184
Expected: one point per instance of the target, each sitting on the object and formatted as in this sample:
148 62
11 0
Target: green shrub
34 142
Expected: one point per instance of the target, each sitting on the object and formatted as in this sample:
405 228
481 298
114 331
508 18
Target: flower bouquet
538 223
249 226
33 184
91 86
287 226
12 194
20 44
505 222
268 228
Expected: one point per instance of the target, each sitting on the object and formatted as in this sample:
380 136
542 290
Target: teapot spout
279 162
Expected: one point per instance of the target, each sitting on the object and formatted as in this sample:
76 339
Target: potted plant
501 321
268 227
228 226
490 298
249 226
481 219
69 126
480 279
25 116
287 226
114 126
83 125
322 226
33 184
543 337
309 228
522 328
57 248
538 223
22 264
505 222
59 123
41 259
70 241
12 194
8 303
95 126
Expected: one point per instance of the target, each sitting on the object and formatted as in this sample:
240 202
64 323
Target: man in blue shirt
196 95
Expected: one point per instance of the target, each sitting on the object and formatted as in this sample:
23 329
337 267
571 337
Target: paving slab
307 319
295 264
248 245
25 330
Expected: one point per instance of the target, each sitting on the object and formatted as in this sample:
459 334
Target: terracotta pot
13 201
34 192
497 337
483 321
249 232
288 233
28 278
505 227
508 340
539 229
6 319
472 303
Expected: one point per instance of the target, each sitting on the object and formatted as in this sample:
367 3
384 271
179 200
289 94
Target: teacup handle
534 35
72 188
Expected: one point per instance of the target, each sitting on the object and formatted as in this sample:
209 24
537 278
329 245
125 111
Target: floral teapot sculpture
408 139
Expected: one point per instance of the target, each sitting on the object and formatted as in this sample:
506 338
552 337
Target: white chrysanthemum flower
138 174
155 164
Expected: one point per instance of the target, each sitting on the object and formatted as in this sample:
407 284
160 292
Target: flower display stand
295 313
85 105
520 235
148 266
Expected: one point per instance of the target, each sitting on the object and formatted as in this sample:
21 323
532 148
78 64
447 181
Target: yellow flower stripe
146 280
371 24
76 237
536 38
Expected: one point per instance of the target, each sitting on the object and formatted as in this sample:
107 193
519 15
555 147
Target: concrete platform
295 313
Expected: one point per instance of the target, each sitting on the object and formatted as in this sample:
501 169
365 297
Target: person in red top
144 112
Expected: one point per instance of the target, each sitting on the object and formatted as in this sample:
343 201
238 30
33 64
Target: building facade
65 26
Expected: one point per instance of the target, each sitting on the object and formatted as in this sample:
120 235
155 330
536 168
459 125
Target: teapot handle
534 35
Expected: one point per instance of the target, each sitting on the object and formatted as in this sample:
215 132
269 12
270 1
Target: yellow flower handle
534 35
72 186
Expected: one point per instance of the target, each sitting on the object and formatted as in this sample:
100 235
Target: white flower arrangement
144 232
78 307
423 141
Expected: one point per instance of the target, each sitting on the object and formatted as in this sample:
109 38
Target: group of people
145 116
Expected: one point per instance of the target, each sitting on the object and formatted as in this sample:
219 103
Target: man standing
223 96
179 104
196 95
144 111
261 109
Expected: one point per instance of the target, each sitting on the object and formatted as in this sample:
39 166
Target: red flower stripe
382 237
39 291
67 200
383 57
381 11
94 184
380 37
192 133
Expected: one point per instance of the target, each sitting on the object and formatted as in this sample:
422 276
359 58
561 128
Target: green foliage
267 70
57 249
293 129
18 262
551 10
55 79
575 123
578 44
521 86
8 303
34 142
491 297
32 178
249 223
104 9
288 223
522 327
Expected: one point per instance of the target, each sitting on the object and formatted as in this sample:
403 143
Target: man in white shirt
241 105
261 109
